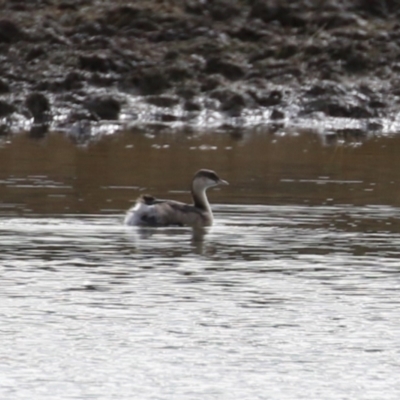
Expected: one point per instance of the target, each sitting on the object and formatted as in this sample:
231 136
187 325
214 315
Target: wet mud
75 65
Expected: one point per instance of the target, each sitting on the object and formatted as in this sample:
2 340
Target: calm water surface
292 294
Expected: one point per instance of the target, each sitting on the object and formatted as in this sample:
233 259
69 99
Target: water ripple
297 302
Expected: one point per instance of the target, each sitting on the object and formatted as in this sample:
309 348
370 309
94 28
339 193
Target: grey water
292 294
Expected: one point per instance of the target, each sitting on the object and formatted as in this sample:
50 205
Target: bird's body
149 211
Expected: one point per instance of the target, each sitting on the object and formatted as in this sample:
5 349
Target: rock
106 108
4 87
335 19
165 117
151 81
67 5
272 98
222 10
232 102
4 129
377 7
101 80
96 63
376 103
9 31
374 126
144 24
211 82
287 50
191 105
286 15
340 108
194 7
163 101
219 10
248 34
357 62
325 88
38 131
277 114
72 81
179 72
94 28
132 18
34 52
229 70
6 109
171 55
39 106
334 100
187 93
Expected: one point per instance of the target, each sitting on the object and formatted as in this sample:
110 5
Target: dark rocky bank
71 64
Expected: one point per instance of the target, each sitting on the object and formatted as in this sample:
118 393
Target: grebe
149 211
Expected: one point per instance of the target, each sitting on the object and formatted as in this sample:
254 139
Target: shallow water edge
54 176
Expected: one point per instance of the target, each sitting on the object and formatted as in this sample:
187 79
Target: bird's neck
200 199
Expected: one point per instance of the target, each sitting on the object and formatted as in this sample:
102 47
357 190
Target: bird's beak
222 182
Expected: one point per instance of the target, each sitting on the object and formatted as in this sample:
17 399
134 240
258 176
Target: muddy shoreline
91 66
